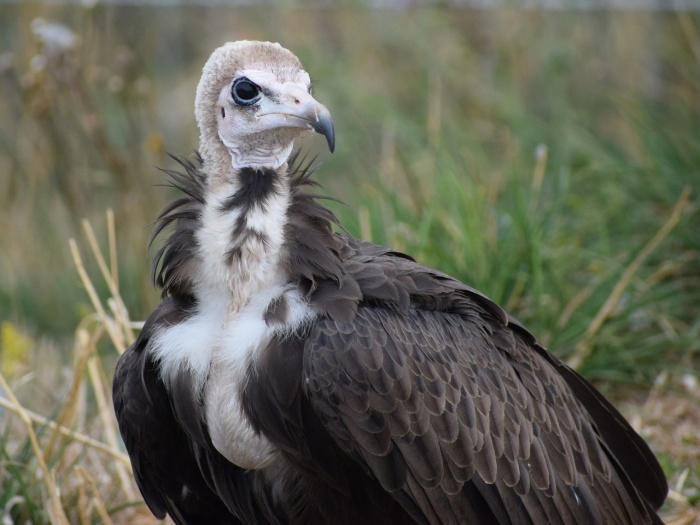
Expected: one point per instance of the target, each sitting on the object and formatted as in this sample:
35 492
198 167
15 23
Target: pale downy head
253 100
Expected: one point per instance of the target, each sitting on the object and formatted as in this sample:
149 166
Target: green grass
532 154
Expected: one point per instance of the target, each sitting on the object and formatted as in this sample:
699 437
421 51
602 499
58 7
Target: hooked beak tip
323 125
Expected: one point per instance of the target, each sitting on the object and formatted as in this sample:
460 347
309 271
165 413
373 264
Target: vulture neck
240 277
247 251
242 235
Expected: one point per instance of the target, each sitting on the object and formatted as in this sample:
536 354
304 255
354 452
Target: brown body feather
410 398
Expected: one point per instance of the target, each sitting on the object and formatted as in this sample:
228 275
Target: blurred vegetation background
550 159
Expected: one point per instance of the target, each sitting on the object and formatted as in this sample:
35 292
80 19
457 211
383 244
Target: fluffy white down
218 343
217 352
240 343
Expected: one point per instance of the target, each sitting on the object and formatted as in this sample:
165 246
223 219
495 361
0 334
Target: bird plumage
297 375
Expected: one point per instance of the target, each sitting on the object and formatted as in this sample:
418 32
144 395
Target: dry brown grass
670 420
82 473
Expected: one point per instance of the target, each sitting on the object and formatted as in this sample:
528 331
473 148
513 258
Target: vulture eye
245 92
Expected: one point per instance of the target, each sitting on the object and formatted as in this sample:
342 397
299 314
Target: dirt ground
669 418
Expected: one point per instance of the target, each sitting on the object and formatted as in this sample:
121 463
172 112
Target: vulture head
253 100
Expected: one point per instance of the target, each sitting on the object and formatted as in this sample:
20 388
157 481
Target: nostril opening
296 101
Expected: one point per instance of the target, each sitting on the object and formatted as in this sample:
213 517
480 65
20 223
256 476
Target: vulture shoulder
450 405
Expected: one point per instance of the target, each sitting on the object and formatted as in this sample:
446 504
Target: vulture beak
322 123
296 108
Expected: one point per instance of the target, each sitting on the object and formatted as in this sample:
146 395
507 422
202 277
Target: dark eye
244 92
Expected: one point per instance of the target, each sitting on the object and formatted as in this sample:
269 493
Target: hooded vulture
295 375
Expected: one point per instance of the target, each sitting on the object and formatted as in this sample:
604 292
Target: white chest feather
241 341
238 278
219 351
239 265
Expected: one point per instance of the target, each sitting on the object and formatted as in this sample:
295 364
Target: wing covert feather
438 405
